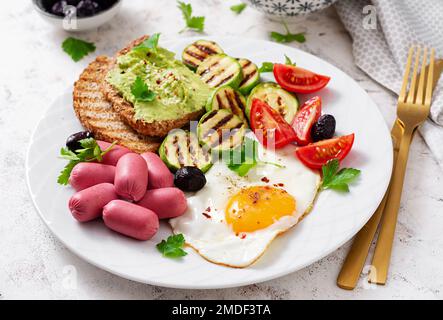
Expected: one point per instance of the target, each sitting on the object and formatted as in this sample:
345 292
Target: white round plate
333 221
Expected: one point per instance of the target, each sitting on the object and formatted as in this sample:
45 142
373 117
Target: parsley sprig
172 246
269 66
288 36
77 49
238 8
141 91
242 159
194 23
336 179
90 151
151 43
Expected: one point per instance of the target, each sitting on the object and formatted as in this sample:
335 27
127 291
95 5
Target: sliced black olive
189 179
324 128
73 141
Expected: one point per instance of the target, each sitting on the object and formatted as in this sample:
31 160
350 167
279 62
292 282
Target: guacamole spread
178 91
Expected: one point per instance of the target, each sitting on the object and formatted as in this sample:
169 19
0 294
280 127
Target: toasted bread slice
126 109
97 115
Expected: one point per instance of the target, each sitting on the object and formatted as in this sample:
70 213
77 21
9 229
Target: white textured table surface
34 70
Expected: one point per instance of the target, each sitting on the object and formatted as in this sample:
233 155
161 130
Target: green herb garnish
238 8
288 61
172 247
77 49
90 151
244 158
151 43
194 23
269 66
141 91
288 37
266 67
336 179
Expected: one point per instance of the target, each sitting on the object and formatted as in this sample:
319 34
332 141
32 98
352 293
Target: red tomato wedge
299 80
269 126
309 113
317 154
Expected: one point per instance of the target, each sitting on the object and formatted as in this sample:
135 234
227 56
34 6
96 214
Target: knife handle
383 249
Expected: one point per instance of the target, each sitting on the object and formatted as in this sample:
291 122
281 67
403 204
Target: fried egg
233 219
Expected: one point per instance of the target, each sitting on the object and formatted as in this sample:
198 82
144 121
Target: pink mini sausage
114 154
158 172
87 205
88 174
130 219
165 202
131 177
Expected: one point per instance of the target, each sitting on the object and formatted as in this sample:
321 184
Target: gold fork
356 257
413 109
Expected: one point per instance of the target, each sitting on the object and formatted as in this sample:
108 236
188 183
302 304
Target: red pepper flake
206 215
208 209
265 179
281 184
243 235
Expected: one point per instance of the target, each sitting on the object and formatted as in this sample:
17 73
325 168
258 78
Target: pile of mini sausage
131 192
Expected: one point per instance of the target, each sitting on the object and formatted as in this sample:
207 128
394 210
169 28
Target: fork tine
402 96
421 83
429 86
411 94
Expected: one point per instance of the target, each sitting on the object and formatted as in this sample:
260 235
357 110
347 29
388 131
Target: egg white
213 238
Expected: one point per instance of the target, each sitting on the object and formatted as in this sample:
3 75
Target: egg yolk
258 207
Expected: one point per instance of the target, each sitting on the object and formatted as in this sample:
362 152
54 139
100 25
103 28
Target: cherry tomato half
299 80
317 154
304 120
269 126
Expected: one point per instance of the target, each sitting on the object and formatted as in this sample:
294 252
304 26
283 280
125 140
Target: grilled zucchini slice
220 70
221 130
251 76
276 97
227 98
181 148
195 53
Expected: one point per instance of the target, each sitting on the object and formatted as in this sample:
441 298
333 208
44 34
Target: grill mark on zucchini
218 125
206 49
225 80
195 55
239 102
248 76
233 102
210 115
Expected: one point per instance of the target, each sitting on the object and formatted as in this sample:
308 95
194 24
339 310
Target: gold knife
356 258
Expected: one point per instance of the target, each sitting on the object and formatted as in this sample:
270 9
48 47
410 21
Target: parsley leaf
172 247
141 91
151 43
90 152
242 159
336 179
288 37
269 66
194 23
238 8
77 49
266 67
288 61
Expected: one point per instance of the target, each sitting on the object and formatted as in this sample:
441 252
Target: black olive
73 141
87 8
189 179
324 128
59 8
